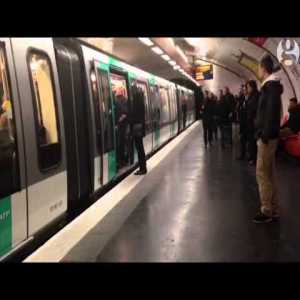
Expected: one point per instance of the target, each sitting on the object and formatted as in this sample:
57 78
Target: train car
61 141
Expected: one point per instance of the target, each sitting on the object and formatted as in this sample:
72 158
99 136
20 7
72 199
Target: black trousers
141 152
243 144
252 146
207 131
226 133
121 143
215 129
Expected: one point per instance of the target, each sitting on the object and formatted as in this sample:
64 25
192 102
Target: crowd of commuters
259 115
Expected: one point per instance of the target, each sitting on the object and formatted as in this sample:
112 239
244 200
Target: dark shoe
141 172
240 157
275 218
262 218
252 162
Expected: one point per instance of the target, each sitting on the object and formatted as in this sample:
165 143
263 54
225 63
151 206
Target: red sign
258 41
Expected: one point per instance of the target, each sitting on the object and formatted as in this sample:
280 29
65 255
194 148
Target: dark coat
269 110
294 119
208 110
138 109
252 105
225 107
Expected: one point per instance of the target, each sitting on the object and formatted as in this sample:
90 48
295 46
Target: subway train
60 145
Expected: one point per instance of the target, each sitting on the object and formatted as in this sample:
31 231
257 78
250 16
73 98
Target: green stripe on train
112 165
5 225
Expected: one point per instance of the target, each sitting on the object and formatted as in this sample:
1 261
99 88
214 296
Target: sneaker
262 218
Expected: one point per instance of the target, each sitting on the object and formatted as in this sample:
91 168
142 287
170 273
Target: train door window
103 104
45 110
143 87
9 174
120 94
165 112
155 100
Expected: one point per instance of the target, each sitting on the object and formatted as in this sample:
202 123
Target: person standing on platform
122 124
268 126
139 128
252 104
215 118
184 111
243 103
292 126
230 105
207 119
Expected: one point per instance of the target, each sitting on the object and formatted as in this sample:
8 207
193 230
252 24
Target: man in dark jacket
292 126
242 111
230 103
207 110
122 121
248 110
139 128
184 111
268 127
225 112
252 105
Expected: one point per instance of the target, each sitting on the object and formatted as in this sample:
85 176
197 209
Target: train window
154 94
9 174
165 112
45 110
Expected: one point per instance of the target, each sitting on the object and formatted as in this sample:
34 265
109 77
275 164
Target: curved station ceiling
234 60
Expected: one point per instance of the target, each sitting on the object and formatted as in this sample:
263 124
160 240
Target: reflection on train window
173 110
45 110
120 94
165 114
155 100
8 155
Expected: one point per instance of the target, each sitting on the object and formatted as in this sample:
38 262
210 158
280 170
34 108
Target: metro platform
197 207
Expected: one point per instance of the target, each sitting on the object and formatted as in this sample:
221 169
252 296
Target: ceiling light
176 67
157 50
146 41
166 57
172 62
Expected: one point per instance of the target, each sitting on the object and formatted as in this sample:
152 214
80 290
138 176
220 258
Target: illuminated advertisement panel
204 72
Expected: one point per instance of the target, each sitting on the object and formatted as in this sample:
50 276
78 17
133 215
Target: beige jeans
266 177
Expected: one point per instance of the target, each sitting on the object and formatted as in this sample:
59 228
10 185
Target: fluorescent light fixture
146 41
157 50
172 62
176 67
166 57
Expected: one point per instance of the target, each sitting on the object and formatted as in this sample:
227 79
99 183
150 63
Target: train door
173 110
104 118
122 104
43 130
13 202
148 139
165 115
179 108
